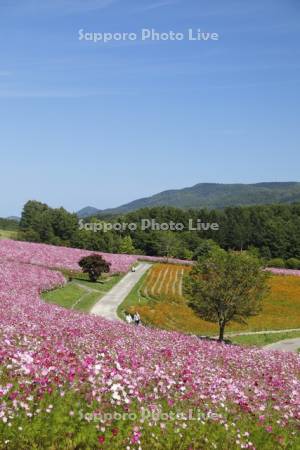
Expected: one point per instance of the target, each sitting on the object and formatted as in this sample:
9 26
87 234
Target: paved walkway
287 345
250 333
107 306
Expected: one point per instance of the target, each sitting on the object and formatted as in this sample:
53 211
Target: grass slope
260 340
81 294
8 234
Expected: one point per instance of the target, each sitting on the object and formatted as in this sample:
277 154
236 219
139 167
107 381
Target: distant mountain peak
15 218
88 211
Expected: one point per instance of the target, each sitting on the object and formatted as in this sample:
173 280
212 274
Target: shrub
293 263
276 262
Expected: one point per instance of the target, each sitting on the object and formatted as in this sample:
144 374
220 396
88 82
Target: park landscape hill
64 367
209 195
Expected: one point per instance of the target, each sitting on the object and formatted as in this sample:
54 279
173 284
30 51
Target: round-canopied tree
226 287
94 265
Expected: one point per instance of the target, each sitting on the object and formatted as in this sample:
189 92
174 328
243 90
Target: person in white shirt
129 318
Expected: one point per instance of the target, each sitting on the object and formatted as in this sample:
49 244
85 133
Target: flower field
66 258
165 281
168 308
73 381
58 257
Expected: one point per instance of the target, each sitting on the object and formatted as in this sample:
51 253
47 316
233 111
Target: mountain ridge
209 195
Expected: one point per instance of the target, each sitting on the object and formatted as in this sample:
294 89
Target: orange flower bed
164 282
168 309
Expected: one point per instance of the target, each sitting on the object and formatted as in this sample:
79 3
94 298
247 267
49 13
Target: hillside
77 381
211 195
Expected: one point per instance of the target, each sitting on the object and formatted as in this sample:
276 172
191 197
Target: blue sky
102 124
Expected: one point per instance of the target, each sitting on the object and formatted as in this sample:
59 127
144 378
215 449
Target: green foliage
293 263
276 262
273 231
127 246
166 244
31 235
94 266
43 224
185 253
207 249
70 422
226 287
9 224
253 251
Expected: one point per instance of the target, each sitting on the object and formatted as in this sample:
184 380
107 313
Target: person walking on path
137 318
129 318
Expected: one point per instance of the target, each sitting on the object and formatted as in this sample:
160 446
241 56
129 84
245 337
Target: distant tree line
271 232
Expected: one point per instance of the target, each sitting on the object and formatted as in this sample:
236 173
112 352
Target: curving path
287 345
107 306
250 333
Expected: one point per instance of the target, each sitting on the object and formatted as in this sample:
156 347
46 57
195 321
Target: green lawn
261 340
104 285
7 234
65 296
81 294
87 302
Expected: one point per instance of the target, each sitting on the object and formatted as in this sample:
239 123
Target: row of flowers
67 258
295 273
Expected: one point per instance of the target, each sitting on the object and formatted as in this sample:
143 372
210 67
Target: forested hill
212 195
270 231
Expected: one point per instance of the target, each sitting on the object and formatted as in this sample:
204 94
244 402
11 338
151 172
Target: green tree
127 246
167 244
30 214
64 224
206 249
226 287
43 224
29 236
94 265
